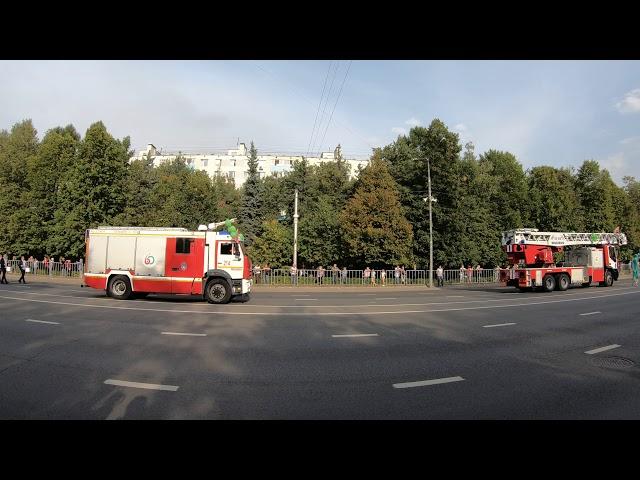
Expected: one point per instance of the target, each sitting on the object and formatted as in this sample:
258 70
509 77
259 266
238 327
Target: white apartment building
233 164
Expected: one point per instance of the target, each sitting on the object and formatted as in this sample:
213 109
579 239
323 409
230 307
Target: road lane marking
425 383
455 296
104 298
324 314
185 334
366 294
388 298
601 349
356 335
312 299
590 313
498 325
147 386
42 321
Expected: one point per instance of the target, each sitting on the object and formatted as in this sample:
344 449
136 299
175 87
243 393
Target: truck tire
218 291
140 295
608 279
563 282
549 283
119 287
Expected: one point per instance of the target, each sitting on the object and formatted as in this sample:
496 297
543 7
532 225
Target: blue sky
545 112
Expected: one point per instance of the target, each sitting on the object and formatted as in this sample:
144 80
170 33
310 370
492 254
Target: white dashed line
306 299
147 386
425 383
185 334
498 325
42 321
601 349
590 313
356 335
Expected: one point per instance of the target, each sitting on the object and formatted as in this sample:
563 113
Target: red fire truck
588 257
131 262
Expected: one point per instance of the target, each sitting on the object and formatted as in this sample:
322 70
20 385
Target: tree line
53 189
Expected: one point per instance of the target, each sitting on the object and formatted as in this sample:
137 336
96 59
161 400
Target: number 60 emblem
149 260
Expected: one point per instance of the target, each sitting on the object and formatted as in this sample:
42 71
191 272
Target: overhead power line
334 105
333 78
318 110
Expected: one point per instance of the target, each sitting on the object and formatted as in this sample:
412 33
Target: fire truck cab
131 262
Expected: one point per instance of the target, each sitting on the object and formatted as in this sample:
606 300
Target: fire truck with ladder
588 258
131 262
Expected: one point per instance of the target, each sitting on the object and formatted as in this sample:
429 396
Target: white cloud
399 130
413 122
630 103
461 127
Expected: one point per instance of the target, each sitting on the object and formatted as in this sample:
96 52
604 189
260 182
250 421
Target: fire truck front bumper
240 287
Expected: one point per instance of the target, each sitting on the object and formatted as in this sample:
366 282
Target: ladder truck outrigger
588 258
131 262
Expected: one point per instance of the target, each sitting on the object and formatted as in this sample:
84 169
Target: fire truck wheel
218 291
139 295
548 283
119 287
608 279
563 282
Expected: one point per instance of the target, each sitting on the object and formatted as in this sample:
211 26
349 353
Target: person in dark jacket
23 268
3 270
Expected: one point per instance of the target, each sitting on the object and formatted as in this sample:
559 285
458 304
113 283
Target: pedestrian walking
461 273
23 268
383 277
266 272
3 270
478 273
36 264
373 277
403 275
469 274
396 274
343 277
366 274
335 271
635 267
320 275
440 275
294 275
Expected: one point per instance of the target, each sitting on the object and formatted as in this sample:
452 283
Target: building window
231 174
205 162
234 162
183 245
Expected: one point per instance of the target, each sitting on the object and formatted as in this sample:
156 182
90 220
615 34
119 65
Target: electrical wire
336 103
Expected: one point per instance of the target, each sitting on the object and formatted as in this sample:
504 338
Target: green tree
595 194
92 194
250 221
376 233
274 246
554 203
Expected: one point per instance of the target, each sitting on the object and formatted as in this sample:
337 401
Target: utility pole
295 232
431 200
430 228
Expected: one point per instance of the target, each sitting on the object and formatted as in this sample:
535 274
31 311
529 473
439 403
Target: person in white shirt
440 275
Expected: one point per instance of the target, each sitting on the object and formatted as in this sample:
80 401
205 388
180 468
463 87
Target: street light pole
295 232
430 228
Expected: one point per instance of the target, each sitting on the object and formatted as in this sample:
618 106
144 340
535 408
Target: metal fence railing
39 267
283 276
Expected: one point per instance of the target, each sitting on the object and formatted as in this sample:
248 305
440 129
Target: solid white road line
602 349
42 321
590 313
389 298
455 296
425 383
147 386
356 335
312 299
323 314
498 325
185 334
366 294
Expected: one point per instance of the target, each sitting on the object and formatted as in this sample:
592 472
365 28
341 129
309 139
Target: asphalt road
456 353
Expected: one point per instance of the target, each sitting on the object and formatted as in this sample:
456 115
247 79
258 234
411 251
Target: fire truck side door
230 258
184 264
